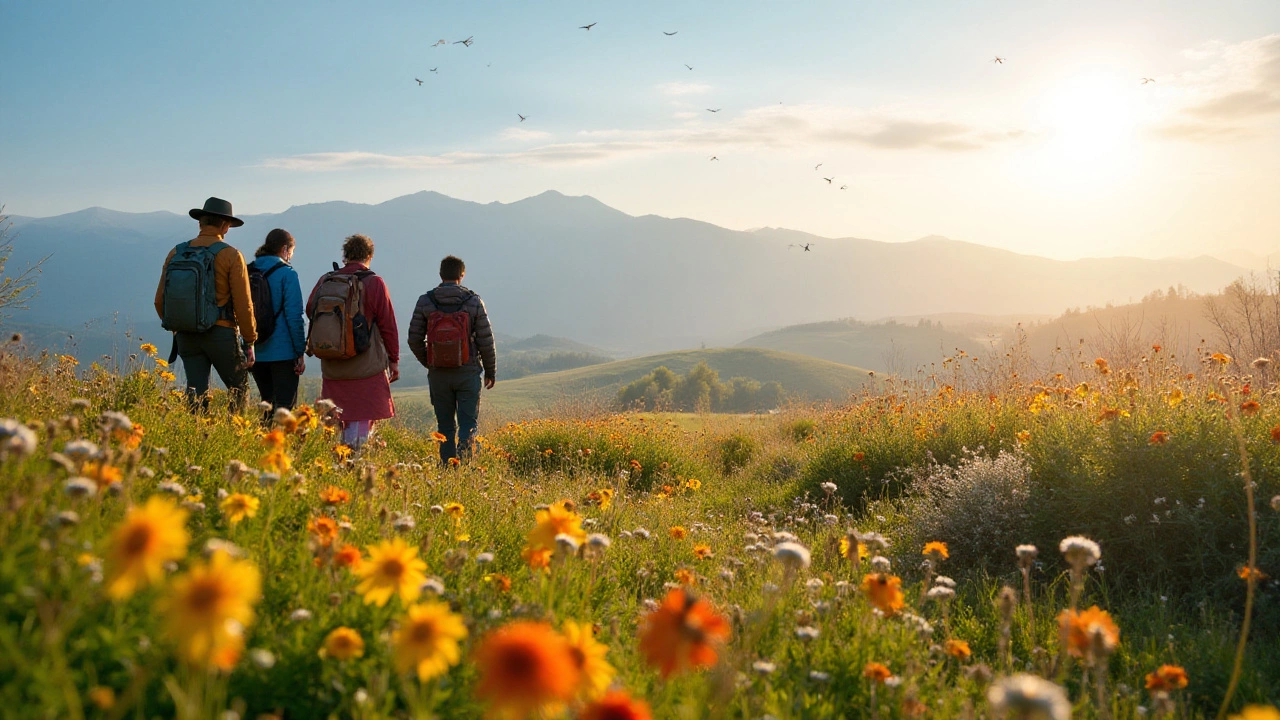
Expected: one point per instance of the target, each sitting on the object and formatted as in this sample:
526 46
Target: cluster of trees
699 391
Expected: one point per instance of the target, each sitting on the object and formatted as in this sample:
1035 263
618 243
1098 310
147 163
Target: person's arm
379 311
160 287
241 301
418 330
293 312
485 344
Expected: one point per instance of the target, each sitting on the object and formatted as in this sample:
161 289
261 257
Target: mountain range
574 267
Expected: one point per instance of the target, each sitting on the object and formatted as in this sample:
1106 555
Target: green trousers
215 349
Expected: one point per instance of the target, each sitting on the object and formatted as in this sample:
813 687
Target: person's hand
489 382
393 372
249 357
300 365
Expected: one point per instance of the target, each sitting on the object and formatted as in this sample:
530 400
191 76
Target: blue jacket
289 340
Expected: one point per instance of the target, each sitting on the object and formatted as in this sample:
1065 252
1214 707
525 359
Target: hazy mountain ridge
574 267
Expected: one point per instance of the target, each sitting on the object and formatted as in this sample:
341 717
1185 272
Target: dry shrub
980 507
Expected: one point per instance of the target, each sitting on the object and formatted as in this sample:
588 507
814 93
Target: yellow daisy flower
392 568
149 537
427 641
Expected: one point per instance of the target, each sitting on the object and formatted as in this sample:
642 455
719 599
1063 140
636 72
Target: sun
1090 123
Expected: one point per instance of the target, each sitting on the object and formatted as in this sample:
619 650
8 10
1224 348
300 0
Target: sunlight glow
1090 121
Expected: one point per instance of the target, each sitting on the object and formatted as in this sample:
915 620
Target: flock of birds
806 247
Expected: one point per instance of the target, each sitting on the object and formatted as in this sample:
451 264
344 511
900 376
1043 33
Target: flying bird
522 117
419 81
465 43
998 59
586 27
844 187
440 42
434 69
664 32
710 110
804 246
1148 80
713 157
689 66
815 167
833 177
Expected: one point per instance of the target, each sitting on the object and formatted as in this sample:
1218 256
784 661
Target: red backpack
448 336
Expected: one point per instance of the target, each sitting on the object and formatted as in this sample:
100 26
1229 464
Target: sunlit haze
1105 129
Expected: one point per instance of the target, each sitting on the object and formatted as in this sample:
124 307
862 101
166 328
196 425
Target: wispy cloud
767 128
1228 99
676 89
518 134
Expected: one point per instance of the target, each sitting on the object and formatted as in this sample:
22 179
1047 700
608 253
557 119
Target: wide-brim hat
217 207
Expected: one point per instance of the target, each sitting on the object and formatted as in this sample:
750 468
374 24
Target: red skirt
364 399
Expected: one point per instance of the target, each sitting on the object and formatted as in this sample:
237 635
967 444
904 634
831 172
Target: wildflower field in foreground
1077 547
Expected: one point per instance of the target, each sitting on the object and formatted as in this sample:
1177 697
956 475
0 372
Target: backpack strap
431 295
224 311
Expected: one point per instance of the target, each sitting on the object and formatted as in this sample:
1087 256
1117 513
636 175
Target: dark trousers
277 382
455 393
218 349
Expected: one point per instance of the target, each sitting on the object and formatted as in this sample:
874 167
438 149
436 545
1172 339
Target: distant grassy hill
885 347
801 377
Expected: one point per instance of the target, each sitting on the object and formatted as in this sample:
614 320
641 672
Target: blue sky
1060 150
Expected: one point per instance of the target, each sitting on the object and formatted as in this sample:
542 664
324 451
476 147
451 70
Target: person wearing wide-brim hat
209 333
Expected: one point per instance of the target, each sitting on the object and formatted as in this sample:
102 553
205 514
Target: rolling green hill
803 378
884 347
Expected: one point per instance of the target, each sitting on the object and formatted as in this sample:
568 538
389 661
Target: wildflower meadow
1097 543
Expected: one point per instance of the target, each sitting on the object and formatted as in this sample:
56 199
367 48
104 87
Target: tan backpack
339 329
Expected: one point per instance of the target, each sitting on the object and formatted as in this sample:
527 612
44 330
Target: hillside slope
885 347
803 378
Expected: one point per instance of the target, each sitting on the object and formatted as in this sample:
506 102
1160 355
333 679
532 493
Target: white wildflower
1030 697
873 540
172 488
567 544
1027 553
641 534
80 450
78 487
598 541
484 558
945 581
807 633
940 593
763 667
1080 552
300 615
16 439
792 555
819 676
881 564
432 585
262 657
829 487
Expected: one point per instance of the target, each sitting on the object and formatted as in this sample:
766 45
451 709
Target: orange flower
525 668
334 495
438 437
500 582
1246 572
1081 626
102 474
1275 434
936 550
347 556
635 465
859 456
556 520
678 532
1167 677
682 633
702 552
686 577
1103 367
1159 437
876 672
538 558
1221 358
454 462
324 530
958 649
1250 407
616 705
273 440
884 591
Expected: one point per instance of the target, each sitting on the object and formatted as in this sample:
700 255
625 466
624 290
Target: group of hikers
239 318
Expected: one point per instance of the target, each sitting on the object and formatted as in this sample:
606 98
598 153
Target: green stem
1251 581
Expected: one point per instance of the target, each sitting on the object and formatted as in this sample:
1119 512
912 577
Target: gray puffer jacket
449 296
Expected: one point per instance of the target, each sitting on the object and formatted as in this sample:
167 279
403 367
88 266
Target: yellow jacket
232 280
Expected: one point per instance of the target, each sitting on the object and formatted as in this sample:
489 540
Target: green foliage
736 452
698 391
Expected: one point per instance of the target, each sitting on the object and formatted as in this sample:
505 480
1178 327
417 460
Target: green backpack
190 290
